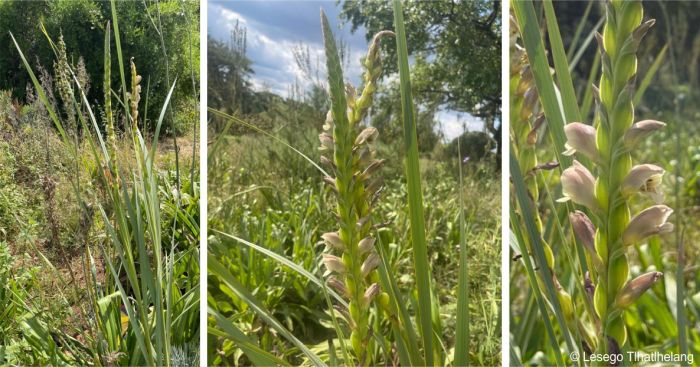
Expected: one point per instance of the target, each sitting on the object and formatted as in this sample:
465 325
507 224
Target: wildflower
350 154
338 285
367 135
334 264
530 99
649 222
579 186
366 245
371 292
645 178
641 130
635 288
370 263
585 233
332 239
581 138
373 167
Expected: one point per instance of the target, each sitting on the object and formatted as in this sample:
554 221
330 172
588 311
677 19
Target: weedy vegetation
365 257
597 272
100 222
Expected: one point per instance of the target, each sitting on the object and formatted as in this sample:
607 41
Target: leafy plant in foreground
595 288
146 312
609 145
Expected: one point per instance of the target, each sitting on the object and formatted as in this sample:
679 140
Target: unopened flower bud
632 44
334 264
370 263
583 229
371 292
567 306
338 285
581 138
648 222
367 135
373 167
585 233
332 239
366 244
331 182
385 302
641 130
579 186
635 288
345 313
365 100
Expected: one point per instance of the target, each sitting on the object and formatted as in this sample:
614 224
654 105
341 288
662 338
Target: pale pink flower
581 138
641 130
644 178
648 222
578 185
334 264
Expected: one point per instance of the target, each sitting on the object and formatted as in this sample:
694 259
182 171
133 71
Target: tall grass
146 312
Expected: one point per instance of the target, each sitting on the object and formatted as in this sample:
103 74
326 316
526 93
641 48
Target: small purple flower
465 160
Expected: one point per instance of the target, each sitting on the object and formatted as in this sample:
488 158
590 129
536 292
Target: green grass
268 209
128 283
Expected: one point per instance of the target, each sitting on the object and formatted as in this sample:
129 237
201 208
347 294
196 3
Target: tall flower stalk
351 258
608 144
526 118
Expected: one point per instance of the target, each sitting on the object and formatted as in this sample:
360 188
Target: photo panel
354 183
603 178
99 183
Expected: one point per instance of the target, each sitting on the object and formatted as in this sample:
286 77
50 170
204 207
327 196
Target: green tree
162 37
229 71
21 20
456 50
474 146
387 118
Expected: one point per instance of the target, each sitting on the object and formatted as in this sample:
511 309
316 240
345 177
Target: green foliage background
82 24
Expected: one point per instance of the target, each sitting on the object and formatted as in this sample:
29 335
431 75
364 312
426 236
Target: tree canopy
162 37
456 50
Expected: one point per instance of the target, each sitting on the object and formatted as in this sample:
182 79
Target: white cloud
230 15
276 69
453 124
273 60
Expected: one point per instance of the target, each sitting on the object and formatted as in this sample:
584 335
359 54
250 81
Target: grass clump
108 273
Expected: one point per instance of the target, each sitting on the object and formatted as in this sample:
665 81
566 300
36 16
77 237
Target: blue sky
276 27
